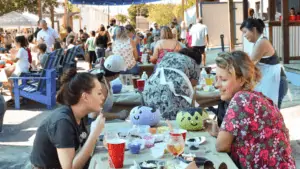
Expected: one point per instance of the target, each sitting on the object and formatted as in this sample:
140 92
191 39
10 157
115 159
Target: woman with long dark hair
273 83
62 140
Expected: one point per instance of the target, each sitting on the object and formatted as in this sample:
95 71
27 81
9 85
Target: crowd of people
251 127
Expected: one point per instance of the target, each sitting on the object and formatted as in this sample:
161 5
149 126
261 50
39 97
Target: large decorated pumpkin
191 118
143 115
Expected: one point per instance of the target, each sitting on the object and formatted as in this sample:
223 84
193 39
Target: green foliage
25 5
161 13
133 11
122 18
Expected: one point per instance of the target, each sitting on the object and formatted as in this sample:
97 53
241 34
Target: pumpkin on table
191 119
143 115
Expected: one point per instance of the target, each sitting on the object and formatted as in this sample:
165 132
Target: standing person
43 55
174 31
134 36
37 30
199 38
251 13
183 32
273 83
112 29
156 29
189 37
177 26
253 130
7 41
62 140
47 35
71 34
101 42
89 45
126 47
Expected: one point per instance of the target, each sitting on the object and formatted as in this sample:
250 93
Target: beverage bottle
203 75
144 76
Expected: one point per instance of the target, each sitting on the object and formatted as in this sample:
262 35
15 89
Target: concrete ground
20 127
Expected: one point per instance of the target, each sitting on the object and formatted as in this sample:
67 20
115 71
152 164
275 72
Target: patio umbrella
110 2
15 19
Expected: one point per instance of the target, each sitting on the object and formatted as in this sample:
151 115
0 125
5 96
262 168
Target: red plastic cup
116 149
140 84
178 132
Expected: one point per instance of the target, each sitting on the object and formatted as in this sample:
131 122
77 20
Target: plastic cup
116 149
178 132
140 85
134 81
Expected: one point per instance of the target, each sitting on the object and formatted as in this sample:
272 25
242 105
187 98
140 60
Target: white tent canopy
15 19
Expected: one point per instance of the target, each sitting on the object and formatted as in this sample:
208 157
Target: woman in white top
183 31
273 83
125 47
20 58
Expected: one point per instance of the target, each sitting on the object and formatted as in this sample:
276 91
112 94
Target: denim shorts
135 70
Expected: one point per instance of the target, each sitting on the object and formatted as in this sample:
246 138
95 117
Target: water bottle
203 75
144 76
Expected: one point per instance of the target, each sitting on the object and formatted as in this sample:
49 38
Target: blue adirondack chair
44 91
69 59
57 64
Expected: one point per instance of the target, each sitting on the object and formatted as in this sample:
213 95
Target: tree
25 5
158 13
177 10
121 18
134 10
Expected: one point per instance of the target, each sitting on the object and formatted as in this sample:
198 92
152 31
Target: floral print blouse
261 139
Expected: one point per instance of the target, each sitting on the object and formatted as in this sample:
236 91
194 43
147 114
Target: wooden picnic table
99 158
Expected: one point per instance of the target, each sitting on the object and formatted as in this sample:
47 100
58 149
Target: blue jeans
283 88
100 52
135 70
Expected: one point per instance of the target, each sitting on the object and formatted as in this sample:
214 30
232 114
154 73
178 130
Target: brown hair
166 33
73 85
129 28
238 64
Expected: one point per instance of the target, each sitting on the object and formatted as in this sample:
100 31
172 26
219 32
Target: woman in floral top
253 130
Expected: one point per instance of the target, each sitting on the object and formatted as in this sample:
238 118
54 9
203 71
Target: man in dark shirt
49 137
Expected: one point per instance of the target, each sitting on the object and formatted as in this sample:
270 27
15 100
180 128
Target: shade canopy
110 2
15 19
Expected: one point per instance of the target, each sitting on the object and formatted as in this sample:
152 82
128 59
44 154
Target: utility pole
40 9
231 24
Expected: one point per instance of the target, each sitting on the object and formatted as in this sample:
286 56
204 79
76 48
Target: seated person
20 57
62 140
181 72
253 129
111 69
43 55
71 43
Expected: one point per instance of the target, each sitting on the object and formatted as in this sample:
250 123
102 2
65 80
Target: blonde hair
239 65
121 33
166 33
